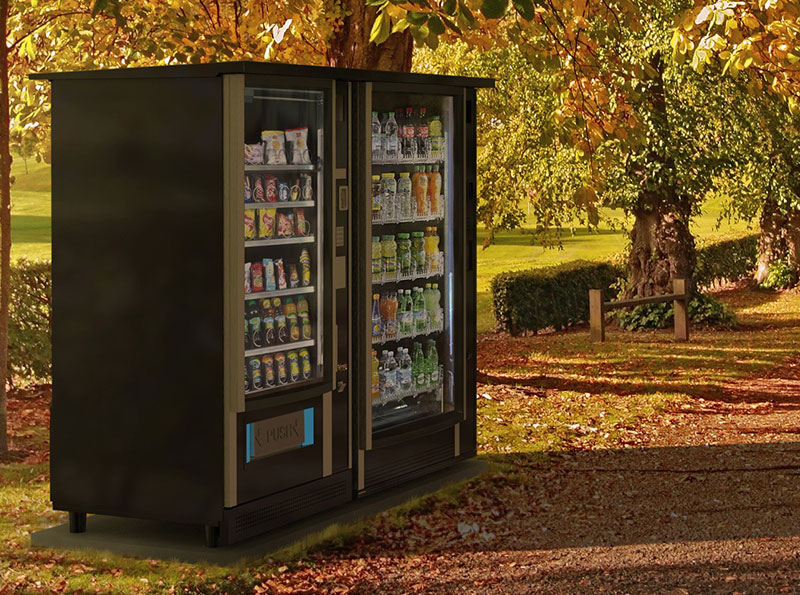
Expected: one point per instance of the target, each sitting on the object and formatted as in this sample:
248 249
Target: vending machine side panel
137 302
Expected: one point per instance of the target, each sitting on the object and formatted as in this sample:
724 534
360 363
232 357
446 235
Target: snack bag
281 274
294 327
268 326
248 287
305 324
306 187
294 279
269 274
258 276
303 226
258 190
298 145
249 224
248 189
283 191
280 368
305 363
254 363
294 192
285 225
269 371
270 188
266 223
274 148
253 154
294 366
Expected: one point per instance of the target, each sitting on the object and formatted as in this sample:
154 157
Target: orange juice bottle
419 183
434 189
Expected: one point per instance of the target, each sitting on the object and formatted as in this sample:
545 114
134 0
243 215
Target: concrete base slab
168 541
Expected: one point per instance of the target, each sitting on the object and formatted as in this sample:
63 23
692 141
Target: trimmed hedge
726 260
29 345
549 297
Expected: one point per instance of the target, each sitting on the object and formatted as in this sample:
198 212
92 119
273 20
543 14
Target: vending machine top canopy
272 69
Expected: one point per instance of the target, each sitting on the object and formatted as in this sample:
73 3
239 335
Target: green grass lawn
512 250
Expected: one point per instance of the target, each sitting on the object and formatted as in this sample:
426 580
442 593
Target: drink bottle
390 324
376 316
404 206
406 314
375 389
376 198
436 134
432 364
437 303
418 367
391 376
421 133
434 190
405 373
419 186
388 196
410 148
377 138
377 256
382 378
390 140
420 314
427 296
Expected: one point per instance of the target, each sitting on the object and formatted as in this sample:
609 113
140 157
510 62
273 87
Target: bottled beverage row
406 135
264 224
279 147
409 196
269 188
407 313
271 370
409 256
271 274
272 322
397 377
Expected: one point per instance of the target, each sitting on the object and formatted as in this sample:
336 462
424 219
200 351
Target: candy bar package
269 274
257 270
274 147
271 188
306 187
258 190
298 145
248 189
254 154
249 224
294 191
305 268
294 279
280 273
303 225
266 223
248 288
283 191
285 225
280 368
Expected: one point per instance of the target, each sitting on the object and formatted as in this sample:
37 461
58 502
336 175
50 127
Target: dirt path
701 499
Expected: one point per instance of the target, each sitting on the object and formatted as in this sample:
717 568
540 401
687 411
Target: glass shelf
285 204
279 241
278 293
282 167
429 330
380 279
279 347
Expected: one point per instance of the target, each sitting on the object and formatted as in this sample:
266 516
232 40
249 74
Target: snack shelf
430 329
282 167
397 278
279 347
291 204
279 241
278 293
414 161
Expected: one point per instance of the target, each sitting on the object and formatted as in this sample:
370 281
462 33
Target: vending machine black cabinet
263 289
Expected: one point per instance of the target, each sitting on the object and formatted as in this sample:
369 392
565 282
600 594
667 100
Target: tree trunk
662 249
779 239
5 224
350 46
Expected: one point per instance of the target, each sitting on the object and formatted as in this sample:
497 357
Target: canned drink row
278 369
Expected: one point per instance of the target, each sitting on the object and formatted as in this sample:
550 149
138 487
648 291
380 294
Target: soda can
283 192
280 368
305 363
269 371
305 324
249 224
294 366
271 188
256 379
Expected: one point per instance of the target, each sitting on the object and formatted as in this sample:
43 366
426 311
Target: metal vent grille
282 509
410 464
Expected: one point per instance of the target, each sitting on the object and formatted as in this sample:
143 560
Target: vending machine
263 289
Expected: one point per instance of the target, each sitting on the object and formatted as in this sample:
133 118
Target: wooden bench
679 298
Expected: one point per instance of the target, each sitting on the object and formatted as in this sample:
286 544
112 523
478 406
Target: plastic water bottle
391 377
377 138
406 203
427 296
437 303
420 314
382 390
406 373
418 367
432 364
406 314
388 197
390 140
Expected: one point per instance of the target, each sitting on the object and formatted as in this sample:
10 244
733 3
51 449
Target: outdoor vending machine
263 289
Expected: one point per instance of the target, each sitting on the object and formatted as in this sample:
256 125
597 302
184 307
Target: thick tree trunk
5 224
350 46
779 239
662 249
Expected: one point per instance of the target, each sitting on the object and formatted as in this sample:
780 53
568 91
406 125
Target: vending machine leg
77 522
212 535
